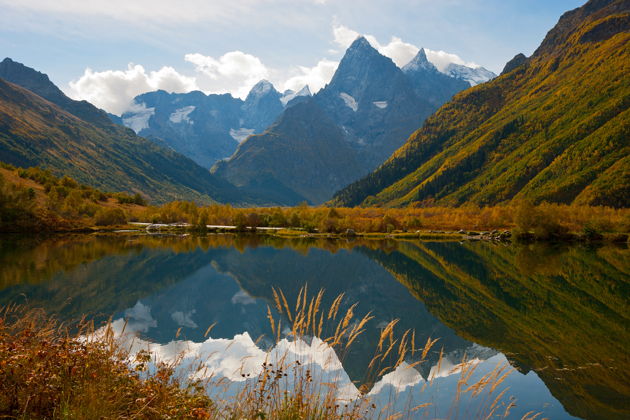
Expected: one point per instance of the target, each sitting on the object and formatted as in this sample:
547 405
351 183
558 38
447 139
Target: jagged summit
261 88
419 62
305 91
360 42
289 96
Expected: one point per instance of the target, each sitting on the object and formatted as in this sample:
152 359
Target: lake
557 314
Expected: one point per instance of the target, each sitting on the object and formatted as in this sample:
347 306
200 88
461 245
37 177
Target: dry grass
49 373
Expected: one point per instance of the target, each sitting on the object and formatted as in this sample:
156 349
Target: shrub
108 217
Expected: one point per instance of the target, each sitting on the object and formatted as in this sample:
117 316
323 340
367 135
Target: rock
351 232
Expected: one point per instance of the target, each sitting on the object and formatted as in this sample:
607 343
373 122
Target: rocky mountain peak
260 89
419 62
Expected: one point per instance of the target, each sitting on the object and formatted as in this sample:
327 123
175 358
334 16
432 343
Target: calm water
558 314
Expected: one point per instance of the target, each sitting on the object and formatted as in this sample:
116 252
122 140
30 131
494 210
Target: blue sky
227 45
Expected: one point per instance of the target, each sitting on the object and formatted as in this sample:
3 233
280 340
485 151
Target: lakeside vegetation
35 200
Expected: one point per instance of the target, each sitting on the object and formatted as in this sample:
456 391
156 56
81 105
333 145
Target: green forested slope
554 127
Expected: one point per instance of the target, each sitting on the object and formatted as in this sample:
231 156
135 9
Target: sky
108 52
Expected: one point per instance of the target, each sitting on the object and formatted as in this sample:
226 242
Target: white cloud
114 90
343 36
399 51
235 72
441 59
315 77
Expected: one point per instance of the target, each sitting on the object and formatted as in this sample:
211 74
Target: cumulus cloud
399 51
315 77
114 90
235 72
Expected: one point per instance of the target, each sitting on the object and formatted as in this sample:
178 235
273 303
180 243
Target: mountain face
555 127
373 106
302 157
206 128
55 135
374 103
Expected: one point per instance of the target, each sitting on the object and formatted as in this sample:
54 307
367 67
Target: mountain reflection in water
558 314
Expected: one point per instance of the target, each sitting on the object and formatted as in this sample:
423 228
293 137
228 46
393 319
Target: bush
108 217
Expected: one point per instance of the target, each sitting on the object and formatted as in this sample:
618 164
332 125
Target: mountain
206 128
77 139
555 127
193 124
262 106
374 106
304 141
472 75
291 97
429 83
373 101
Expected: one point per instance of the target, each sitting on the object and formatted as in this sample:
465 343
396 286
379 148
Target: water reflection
558 314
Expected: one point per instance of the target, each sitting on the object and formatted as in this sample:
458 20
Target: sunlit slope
555 128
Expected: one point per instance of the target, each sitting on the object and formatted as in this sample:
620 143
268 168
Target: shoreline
503 236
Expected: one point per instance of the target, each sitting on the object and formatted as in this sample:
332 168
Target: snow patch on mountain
380 104
137 118
181 115
240 134
349 101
